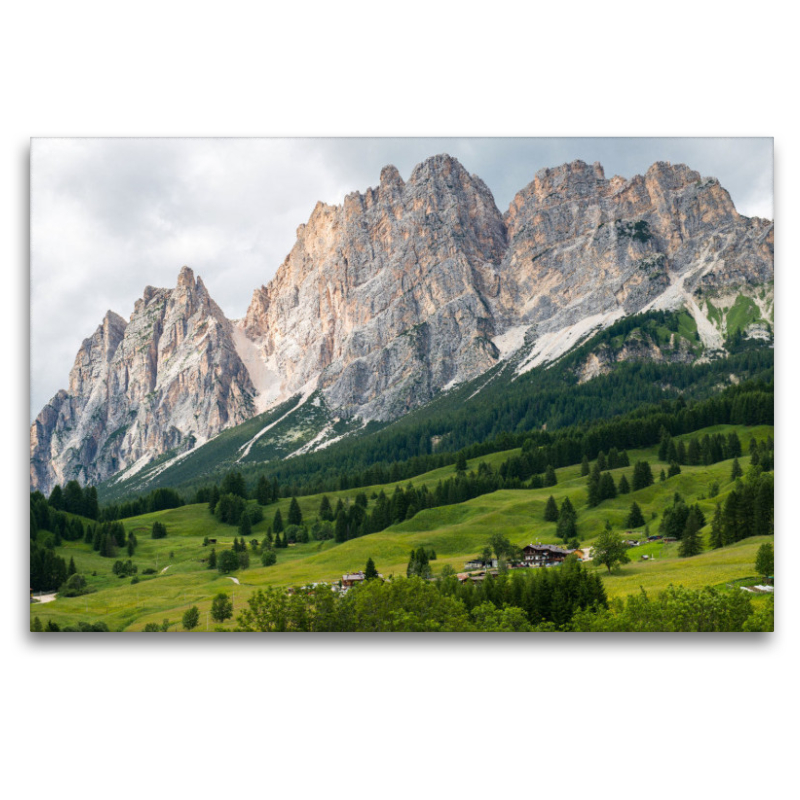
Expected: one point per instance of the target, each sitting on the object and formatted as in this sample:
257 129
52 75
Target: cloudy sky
110 216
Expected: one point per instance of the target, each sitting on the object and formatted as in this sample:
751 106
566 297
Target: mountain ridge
402 291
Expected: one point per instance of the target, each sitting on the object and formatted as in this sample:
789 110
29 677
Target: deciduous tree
609 550
191 618
765 560
221 607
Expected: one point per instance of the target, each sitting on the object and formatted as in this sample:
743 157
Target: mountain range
400 294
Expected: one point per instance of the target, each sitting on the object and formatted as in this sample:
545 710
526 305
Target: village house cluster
533 555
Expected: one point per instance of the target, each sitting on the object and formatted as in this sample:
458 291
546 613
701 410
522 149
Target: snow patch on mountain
509 342
305 393
553 344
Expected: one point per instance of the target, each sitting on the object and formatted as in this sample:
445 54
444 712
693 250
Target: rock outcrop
386 299
169 378
581 245
396 294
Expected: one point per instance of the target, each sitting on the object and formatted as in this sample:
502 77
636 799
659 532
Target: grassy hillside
455 532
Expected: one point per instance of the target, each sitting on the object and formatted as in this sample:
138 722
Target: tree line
429 437
564 599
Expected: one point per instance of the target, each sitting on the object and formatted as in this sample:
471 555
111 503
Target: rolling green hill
455 532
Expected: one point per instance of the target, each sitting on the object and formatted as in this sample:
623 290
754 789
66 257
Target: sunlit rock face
581 245
387 298
168 378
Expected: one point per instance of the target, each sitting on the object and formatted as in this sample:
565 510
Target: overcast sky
110 216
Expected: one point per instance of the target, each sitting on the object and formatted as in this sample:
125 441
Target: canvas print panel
402 385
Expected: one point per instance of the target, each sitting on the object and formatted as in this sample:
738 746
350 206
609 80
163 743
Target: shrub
74 586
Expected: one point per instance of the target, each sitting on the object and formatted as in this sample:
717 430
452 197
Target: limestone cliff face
386 299
400 292
581 245
168 378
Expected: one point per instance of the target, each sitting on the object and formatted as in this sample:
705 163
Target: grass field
455 532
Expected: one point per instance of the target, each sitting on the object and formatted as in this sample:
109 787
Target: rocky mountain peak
390 178
186 277
166 379
566 182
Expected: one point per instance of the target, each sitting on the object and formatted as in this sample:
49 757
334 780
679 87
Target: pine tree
635 516
642 476
263 491
295 515
664 442
716 538
325 511
277 522
71 569
233 483
690 539
608 490
245 526
461 462
567 527
56 499
674 469
551 510
736 469
672 452
550 476
370 571
584 466
212 559
624 487
593 485
601 461
340 531
693 453
108 547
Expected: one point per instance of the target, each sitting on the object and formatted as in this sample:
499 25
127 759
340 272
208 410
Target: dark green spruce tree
635 517
551 510
690 540
295 515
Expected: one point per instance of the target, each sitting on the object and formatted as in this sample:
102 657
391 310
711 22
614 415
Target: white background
617 716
